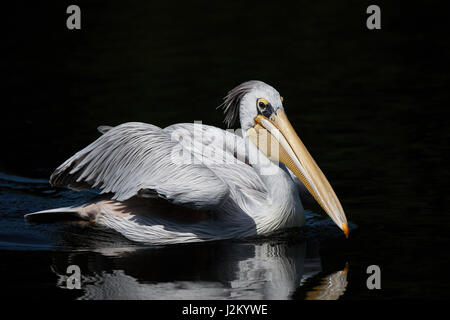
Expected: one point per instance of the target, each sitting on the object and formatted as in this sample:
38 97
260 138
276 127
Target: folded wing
137 159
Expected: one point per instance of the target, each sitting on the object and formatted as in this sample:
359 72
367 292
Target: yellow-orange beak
277 139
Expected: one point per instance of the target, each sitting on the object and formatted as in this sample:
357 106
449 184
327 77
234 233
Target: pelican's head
261 113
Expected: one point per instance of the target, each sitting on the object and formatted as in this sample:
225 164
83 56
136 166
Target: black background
371 106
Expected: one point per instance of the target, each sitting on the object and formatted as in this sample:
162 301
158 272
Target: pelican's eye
262 104
282 99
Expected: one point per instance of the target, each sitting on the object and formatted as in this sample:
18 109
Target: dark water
370 106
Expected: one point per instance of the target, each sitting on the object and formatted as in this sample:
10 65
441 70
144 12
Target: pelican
192 182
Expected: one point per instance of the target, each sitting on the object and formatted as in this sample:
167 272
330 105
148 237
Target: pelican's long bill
292 153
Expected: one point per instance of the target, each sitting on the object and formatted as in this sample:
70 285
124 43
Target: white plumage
187 182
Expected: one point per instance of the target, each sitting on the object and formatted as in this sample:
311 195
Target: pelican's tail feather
58 214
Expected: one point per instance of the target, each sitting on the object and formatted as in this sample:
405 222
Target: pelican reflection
222 270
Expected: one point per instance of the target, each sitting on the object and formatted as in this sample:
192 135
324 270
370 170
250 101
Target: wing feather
225 154
135 156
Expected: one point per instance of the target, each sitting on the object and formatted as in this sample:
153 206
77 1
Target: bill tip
345 229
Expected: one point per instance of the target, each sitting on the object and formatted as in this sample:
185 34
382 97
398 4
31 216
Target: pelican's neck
283 207
275 176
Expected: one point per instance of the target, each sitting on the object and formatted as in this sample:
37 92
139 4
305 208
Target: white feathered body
156 177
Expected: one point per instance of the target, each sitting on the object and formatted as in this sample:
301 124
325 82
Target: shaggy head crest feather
233 100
